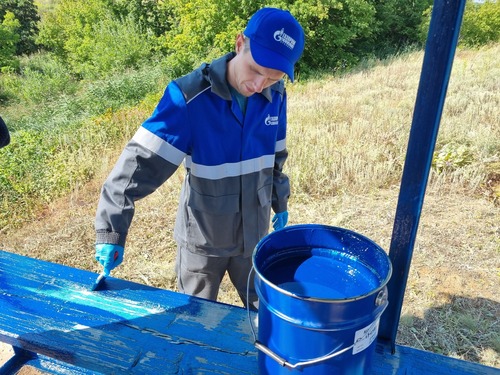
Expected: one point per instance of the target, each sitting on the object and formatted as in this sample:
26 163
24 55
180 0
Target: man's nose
258 84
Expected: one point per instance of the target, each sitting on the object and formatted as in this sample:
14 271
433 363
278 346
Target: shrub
481 23
27 13
112 45
21 178
92 40
398 24
9 38
205 29
451 157
54 145
43 77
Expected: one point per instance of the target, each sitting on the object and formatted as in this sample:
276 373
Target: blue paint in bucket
322 290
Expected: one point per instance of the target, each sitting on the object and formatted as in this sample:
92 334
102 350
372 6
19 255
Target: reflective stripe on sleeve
157 145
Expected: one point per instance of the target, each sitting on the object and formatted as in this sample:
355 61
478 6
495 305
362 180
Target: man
4 134
227 122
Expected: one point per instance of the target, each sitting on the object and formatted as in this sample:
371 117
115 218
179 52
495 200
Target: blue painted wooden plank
48 365
410 361
24 358
52 366
131 328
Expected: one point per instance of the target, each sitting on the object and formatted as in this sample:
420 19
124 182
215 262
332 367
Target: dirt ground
6 352
452 304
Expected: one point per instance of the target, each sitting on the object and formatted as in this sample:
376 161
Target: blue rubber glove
110 256
280 219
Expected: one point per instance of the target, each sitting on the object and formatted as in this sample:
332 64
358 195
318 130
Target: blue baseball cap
276 39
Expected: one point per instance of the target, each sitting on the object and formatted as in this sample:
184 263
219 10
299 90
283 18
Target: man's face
245 75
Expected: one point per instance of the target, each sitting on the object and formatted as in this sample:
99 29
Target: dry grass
347 142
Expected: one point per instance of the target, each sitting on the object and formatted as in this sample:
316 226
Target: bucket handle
284 363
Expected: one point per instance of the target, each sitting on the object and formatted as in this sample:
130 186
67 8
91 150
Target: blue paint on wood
57 325
410 361
128 328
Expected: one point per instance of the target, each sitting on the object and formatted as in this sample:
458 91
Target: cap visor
271 59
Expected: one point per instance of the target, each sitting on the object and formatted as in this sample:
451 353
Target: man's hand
110 256
280 219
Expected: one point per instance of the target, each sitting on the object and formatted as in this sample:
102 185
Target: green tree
335 31
92 39
203 29
151 15
27 14
481 23
97 36
68 28
398 24
9 37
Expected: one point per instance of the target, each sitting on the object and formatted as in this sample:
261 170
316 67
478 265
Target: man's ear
240 43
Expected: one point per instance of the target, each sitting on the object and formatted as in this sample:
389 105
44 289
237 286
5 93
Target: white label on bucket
364 337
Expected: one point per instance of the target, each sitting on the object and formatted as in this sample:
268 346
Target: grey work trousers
200 276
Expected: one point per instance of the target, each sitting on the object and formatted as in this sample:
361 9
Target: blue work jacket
233 164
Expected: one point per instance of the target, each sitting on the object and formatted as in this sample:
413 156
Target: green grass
347 141
347 133
350 133
58 125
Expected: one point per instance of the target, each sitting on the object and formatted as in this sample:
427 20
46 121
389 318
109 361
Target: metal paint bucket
321 292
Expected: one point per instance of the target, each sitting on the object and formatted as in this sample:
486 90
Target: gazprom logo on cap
282 37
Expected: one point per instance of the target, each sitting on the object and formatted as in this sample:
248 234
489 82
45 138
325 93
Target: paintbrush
98 281
103 275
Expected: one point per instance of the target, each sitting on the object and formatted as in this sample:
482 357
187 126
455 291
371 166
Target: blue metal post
438 59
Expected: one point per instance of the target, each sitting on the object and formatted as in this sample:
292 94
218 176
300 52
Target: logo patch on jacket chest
271 120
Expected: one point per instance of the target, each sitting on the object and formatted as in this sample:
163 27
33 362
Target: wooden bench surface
131 328
127 328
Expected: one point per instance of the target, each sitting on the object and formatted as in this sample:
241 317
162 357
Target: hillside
345 165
